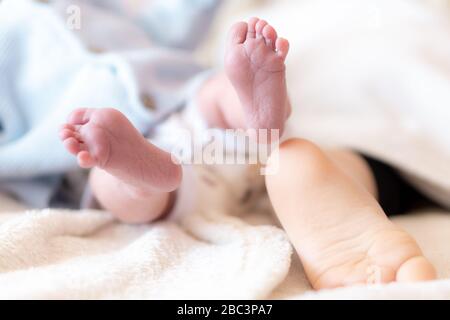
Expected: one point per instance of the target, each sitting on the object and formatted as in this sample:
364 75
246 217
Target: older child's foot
105 138
340 232
255 66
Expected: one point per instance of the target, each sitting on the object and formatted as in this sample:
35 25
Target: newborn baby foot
255 66
106 139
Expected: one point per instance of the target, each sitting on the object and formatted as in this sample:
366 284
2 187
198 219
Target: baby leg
327 205
127 203
131 178
252 92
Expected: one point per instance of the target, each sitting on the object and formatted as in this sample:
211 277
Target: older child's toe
415 270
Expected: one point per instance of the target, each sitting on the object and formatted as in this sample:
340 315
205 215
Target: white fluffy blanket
59 254
373 75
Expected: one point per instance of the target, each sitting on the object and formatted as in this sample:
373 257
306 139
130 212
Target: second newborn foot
255 66
105 138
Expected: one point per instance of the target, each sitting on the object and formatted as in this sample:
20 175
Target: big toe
238 33
415 270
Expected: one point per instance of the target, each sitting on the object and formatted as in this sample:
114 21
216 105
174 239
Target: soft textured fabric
45 73
171 23
222 250
205 253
